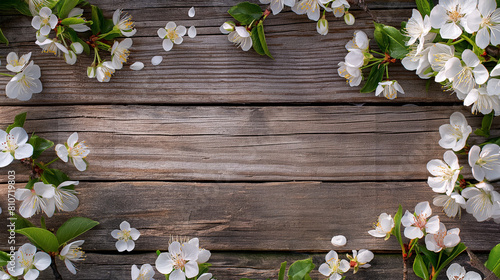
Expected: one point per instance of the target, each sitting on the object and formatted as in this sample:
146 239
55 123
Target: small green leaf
18 122
203 268
457 250
300 269
396 231
256 45
158 252
424 7
397 42
262 39
380 37
74 227
3 39
281 275
376 75
429 255
485 125
106 26
420 268
54 177
246 12
493 262
41 238
71 21
4 258
97 19
39 145
66 7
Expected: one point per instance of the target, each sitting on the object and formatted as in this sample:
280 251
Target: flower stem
57 275
370 65
382 54
456 42
5 74
54 160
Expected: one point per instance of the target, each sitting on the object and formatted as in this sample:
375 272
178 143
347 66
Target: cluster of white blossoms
334 267
173 34
358 51
472 73
480 199
26 81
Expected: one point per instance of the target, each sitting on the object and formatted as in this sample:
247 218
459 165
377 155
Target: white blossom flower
339 240
241 38
179 262
333 267
124 23
384 226
191 12
104 71
172 34
145 273
466 77
23 85
322 26
485 162
485 20
481 200
416 223
454 135
72 253
120 52
126 237
277 5
71 56
389 89
439 54
74 150
452 204
192 32
52 46
203 254
417 28
450 16
65 198
29 262
77 13
338 7
457 272
44 21
40 198
351 74
359 41
360 259
14 145
446 173
311 7
482 102
418 61
16 64
137 66
442 239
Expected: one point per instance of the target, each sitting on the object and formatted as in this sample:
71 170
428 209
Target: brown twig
405 268
476 263
57 275
362 5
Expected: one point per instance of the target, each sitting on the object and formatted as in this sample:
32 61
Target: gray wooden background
263 160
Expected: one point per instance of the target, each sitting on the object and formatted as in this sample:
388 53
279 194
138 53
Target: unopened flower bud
227 27
91 72
77 47
349 18
322 26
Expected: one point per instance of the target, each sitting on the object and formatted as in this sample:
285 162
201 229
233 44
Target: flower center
126 22
75 254
10 144
172 34
333 263
489 162
420 221
79 149
455 15
26 260
124 235
179 262
308 5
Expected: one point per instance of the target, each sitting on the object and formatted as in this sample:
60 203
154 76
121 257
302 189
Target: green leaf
376 75
18 122
380 37
256 45
21 222
4 258
429 255
396 231
158 252
495 140
262 39
246 12
397 42
451 256
106 26
485 126
97 19
41 238
203 268
74 227
493 262
3 39
39 145
424 7
300 269
420 268
281 275
71 21
66 7
54 177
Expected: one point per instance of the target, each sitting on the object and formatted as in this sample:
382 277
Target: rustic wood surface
263 160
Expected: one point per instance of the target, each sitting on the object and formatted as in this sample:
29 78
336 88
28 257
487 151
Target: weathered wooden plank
235 266
333 143
208 69
293 216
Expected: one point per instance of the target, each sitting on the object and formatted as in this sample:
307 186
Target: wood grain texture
208 69
331 143
284 216
234 266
